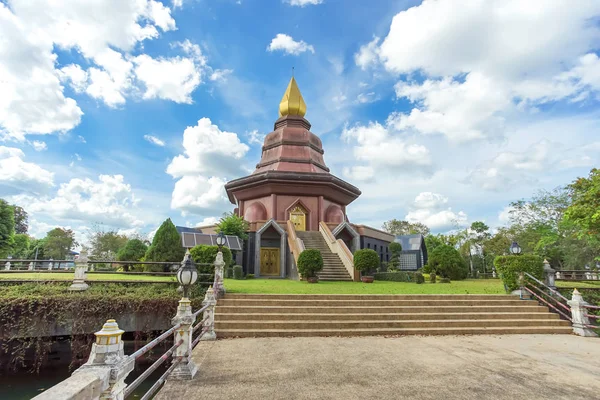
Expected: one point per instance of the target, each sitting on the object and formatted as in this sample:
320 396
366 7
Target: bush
206 254
385 267
419 278
310 262
432 277
366 260
166 245
229 272
426 269
509 268
250 276
396 249
238 272
445 280
396 276
133 250
446 261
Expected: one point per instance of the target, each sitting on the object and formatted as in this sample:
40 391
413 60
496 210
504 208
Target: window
408 261
368 245
387 257
375 247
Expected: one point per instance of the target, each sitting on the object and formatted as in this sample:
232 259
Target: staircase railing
575 310
339 247
296 244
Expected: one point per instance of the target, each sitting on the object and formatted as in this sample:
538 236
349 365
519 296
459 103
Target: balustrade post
108 353
218 283
7 266
209 315
31 267
50 265
186 368
549 275
494 275
81 267
578 316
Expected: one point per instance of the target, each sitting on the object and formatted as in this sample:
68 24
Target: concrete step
275 296
230 333
377 310
381 317
368 303
359 325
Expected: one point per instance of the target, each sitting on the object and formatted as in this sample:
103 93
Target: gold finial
292 102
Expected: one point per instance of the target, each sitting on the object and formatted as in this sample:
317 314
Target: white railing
338 246
103 375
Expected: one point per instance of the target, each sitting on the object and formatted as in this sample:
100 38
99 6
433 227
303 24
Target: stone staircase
333 268
271 315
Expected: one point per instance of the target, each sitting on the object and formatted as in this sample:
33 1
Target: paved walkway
412 367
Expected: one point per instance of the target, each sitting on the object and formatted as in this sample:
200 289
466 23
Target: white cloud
81 139
39 145
303 3
287 44
74 74
254 137
170 79
220 75
207 221
359 173
191 49
21 176
108 200
486 61
210 155
428 208
154 140
364 98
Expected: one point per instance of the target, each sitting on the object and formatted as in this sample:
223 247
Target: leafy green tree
204 256
479 234
7 228
446 261
20 247
396 227
134 250
584 212
21 220
396 249
105 245
166 245
58 243
232 224
36 246
366 260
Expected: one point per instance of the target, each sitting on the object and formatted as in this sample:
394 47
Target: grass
92 277
285 286
578 284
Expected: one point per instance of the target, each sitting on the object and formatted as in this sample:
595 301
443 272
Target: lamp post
515 249
219 265
187 274
220 240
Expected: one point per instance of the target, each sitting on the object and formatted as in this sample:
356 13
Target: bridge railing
103 375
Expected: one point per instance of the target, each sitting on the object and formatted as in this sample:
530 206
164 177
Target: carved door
269 261
298 218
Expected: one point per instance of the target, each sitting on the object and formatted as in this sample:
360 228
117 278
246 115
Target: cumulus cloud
209 156
254 137
288 45
485 61
154 140
303 3
430 209
169 79
39 145
17 175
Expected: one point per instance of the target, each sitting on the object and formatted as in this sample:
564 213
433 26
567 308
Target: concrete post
588 276
549 275
218 283
107 353
7 266
578 315
558 275
30 266
50 265
209 315
81 267
494 273
186 368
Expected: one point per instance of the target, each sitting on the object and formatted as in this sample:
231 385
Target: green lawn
475 286
91 277
578 284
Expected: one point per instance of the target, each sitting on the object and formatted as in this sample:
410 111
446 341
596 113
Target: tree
105 245
21 220
134 250
232 224
58 243
166 245
20 247
584 212
7 228
396 249
479 234
396 227
446 261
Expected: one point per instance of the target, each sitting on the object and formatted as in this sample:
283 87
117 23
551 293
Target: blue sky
125 112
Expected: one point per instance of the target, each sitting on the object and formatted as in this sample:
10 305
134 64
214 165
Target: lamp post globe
220 240
187 274
515 248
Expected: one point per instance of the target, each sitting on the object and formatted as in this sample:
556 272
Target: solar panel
189 240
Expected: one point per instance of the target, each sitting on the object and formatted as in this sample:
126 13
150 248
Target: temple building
293 202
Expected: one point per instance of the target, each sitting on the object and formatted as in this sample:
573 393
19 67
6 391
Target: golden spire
292 102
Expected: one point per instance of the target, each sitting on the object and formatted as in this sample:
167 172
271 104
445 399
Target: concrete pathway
410 367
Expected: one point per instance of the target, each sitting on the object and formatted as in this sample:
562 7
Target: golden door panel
298 218
269 261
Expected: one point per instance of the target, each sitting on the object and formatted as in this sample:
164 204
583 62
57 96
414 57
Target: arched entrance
298 218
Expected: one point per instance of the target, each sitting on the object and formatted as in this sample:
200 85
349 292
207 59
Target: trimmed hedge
229 272
366 260
419 278
509 268
310 262
205 254
238 272
398 276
